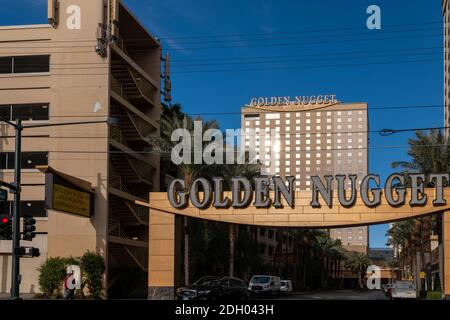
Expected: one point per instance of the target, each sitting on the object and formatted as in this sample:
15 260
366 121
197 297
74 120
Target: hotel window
308 183
29 160
288 142
308 141
297 163
288 115
308 114
349 113
339 120
277 122
308 121
267 123
328 127
339 113
308 162
328 120
318 155
25 112
317 127
349 119
318 120
24 64
308 169
298 128
360 119
317 161
257 122
288 163
319 148
339 127
288 156
360 112
308 128
277 129
288 149
247 123
339 140
329 141
328 155
297 141
298 114
328 161
288 121
349 141
349 126
272 116
308 148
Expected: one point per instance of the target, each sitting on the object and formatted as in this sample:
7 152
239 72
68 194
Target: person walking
69 286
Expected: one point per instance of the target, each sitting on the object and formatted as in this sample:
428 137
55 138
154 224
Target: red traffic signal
5 228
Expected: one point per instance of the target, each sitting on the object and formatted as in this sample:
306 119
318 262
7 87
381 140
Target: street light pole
16 278
16 189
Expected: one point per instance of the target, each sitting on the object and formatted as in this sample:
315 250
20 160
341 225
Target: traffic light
29 228
5 228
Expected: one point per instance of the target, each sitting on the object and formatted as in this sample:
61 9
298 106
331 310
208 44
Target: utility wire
356 149
382 132
295 32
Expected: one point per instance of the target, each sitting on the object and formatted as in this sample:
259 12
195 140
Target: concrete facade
96 72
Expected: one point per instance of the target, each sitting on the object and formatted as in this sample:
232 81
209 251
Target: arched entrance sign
162 233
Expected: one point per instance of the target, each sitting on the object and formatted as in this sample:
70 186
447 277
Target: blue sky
184 26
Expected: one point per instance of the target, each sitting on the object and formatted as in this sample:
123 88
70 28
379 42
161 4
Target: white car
286 286
264 285
404 290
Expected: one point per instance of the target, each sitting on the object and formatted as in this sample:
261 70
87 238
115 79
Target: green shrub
434 295
51 276
93 267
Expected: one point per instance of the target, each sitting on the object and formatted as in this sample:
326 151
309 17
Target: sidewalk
24 296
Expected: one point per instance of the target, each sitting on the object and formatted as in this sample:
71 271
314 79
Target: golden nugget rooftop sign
297 100
203 194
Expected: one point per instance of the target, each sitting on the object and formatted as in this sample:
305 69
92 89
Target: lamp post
16 190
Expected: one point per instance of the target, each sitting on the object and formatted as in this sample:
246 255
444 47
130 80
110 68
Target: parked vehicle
264 285
286 287
404 290
214 288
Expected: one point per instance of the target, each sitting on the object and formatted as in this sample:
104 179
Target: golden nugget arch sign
274 201
281 206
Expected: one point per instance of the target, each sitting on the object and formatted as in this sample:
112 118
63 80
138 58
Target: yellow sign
422 275
71 200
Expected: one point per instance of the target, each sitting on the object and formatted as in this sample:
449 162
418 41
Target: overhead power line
352 28
389 147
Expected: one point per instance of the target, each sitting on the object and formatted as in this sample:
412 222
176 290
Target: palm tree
227 172
430 153
173 118
329 251
358 264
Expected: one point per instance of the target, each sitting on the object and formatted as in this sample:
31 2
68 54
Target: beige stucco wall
78 79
